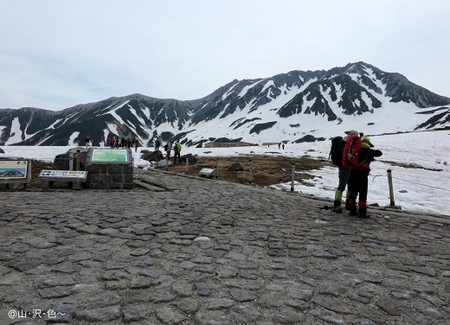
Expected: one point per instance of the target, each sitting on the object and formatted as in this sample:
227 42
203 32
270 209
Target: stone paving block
134 256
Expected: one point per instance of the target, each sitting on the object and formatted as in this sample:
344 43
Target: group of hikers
176 147
116 143
168 147
353 155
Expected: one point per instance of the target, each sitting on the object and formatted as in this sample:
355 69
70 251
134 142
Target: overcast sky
57 54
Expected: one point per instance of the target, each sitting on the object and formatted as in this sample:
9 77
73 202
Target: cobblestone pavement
185 250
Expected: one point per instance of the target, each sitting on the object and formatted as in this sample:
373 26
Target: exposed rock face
153 156
235 167
192 159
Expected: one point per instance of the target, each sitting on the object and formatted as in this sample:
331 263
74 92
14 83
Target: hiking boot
363 213
353 210
337 207
347 205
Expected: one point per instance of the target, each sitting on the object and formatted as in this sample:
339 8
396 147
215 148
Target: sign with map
13 169
110 155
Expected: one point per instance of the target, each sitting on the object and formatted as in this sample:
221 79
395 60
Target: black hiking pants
358 184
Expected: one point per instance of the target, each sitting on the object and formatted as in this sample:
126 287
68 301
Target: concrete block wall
109 176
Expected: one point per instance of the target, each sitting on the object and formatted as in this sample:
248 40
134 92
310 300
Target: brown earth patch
266 170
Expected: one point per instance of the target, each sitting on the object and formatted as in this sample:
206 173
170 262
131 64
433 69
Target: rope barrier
399 179
417 183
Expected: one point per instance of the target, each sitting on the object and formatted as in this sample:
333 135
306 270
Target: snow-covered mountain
287 107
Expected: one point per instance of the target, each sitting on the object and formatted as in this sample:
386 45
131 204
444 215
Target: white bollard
391 188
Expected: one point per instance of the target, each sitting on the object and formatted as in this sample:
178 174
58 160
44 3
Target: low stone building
227 144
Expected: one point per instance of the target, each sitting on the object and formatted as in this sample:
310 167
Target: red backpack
350 154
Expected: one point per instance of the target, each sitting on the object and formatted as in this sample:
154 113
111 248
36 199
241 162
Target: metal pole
78 160
187 165
292 177
391 188
250 171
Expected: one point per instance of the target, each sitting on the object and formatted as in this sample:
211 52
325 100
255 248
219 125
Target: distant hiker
87 142
283 145
279 145
177 151
358 182
157 144
168 148
136 145
336 152
111 142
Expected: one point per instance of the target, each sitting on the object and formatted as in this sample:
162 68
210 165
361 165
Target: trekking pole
250 171
292 177
391 188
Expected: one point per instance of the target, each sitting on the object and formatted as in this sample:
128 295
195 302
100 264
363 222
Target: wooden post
292 177
250 171
167 161
391 188
217 167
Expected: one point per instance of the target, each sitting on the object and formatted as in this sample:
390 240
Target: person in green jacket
177 151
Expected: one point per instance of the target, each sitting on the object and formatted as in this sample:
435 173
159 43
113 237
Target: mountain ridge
317 102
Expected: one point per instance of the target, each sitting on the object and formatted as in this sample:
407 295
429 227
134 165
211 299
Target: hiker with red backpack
358 154
337 148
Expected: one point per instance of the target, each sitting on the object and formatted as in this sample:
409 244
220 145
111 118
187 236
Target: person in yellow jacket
177 151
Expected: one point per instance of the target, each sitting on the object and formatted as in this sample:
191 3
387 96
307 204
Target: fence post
217 168
250 171
167 161
391 188
292 177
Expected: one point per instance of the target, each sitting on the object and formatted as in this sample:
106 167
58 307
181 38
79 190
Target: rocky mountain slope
287 107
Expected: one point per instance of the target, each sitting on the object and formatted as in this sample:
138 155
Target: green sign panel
110 155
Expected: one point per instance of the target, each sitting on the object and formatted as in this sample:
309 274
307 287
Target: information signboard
13 169
110 155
